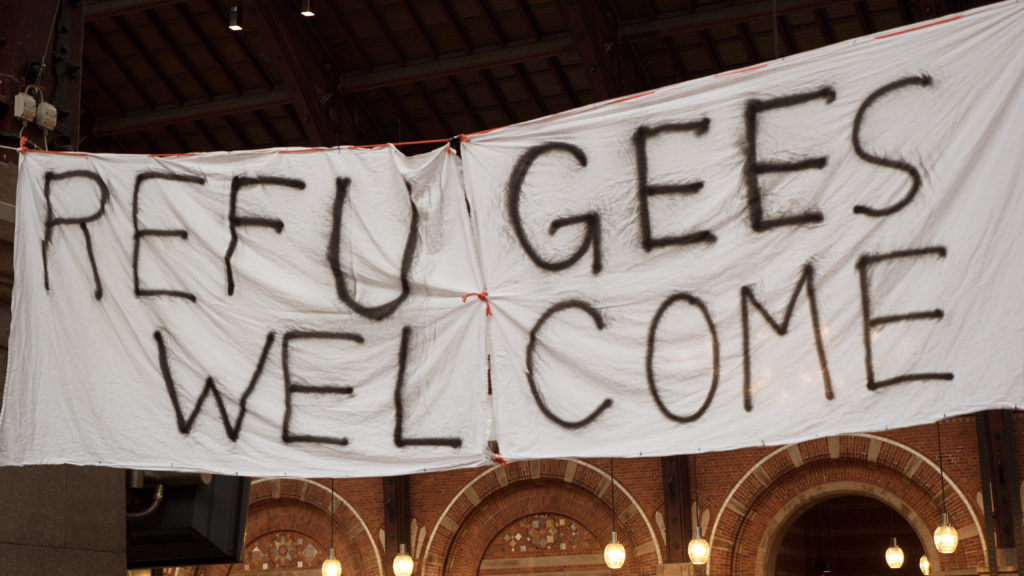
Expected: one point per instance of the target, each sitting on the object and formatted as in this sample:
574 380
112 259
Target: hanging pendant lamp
235 17
925 565
698 549
894 556
331 567
614 551
403 563
946 538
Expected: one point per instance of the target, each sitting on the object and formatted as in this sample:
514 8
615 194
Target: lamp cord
332 513
696 497
942 475
612 462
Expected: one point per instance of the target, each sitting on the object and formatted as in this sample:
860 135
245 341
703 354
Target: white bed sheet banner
828 243
287 294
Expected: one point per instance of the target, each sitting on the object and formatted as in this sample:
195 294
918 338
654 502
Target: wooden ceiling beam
438 117
403 119
208 135
116 101
531 21
175 47
222 19
823 24
214 55
683 21
673 56
301 64
788 40
470 110
272 132
531 90
748 42
418 25
189 112
141 50
710 51
108 54
497 96
383 31
459 32
350 40
563 82
867 26
111 8
596 32
489 20
178 139
479 60
240 130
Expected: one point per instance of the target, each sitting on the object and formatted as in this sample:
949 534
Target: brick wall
747 499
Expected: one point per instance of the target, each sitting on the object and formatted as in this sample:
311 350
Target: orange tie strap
21 144
482 296
497 459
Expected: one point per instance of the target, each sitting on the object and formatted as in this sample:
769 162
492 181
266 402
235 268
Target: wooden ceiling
167 76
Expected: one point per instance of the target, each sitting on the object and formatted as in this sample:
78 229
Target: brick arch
502 494
303 506
792 478
768 549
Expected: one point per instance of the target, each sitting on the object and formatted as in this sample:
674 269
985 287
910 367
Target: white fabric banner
823 244
264 313
829 243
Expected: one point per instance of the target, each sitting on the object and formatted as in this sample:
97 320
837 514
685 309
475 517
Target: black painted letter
864 265
185 424
531 347
52 222
652 336
235 221
141 233
590 220
748 298
645 190
753 168
400 440
894 163
334 257
290 388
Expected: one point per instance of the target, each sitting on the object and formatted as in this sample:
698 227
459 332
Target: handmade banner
265 313
826 244
819 245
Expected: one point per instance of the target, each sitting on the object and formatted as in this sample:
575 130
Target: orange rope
915 28
482 296
411 143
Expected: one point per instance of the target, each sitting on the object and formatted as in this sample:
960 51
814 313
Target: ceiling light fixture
235 17
894 555
332 566
925 564
307 8
945 535
698 549
403 564
614 551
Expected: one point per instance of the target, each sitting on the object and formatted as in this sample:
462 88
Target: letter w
748 298
185 425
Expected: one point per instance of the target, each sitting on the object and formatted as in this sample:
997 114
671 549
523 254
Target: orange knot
496 457
482 296
22 145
